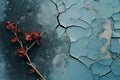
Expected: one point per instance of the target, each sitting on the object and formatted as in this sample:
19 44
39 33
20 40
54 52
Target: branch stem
31 46
20 42
27 56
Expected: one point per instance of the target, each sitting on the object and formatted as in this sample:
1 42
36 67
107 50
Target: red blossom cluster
14 39
21 52
11 26
29 36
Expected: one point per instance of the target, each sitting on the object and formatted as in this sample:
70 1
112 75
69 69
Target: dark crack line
89 68
66 27
59 13
77 60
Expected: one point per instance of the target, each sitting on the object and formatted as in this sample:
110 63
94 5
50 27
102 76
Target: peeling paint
107 35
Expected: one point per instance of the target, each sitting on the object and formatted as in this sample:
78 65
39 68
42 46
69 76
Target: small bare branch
27 56
28 48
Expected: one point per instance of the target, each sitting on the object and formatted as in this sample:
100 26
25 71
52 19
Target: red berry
28 36
21 54
10 26
36 35
14 39
38 42
21 50
24 54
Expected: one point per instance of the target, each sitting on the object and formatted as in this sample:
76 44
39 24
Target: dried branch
13 28
28 48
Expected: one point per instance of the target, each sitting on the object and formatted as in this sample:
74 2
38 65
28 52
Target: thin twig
28 48
41 77
20 42
28 58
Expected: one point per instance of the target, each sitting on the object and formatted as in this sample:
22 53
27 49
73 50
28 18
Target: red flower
10 25
14 39
38 42
21 50
32 71
33 35
28 36
36 35
21 55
